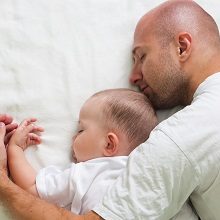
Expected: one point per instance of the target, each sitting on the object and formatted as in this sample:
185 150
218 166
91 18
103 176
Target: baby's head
112 123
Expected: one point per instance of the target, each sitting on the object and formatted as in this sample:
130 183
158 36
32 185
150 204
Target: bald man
176 62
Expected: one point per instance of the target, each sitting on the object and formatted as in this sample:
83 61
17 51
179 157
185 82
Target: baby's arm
21 171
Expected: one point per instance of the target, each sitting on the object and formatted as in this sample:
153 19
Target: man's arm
10 127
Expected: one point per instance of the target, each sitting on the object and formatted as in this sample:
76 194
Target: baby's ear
112 145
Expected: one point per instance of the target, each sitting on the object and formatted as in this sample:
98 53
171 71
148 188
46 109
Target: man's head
112 123
176 46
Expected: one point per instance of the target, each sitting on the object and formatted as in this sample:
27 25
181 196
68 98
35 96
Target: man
176 61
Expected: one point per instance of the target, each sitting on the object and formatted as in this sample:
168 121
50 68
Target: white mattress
55 54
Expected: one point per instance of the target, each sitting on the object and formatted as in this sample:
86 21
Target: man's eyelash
142 57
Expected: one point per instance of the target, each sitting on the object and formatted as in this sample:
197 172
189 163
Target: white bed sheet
55 54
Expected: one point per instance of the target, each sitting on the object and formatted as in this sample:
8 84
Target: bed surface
55 54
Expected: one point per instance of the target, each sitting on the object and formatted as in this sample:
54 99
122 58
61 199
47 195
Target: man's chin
160 105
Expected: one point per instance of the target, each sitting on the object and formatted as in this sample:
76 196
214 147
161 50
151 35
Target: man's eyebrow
134 50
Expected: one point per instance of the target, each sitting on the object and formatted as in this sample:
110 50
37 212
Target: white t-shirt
180 159
81 186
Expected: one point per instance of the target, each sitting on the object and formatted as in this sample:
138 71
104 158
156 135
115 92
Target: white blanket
55 54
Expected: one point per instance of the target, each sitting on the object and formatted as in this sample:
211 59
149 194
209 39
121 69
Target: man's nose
135 75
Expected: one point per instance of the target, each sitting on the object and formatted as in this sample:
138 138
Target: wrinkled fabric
82 185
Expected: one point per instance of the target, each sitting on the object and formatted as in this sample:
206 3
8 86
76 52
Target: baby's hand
26 134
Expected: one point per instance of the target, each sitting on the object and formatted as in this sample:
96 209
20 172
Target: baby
111 124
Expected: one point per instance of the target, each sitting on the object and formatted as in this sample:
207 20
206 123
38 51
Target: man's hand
10 127
3 155
26 134
6 130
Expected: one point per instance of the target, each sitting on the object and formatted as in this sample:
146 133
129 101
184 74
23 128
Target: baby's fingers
27 122
28 126
33 139
37 128
32 128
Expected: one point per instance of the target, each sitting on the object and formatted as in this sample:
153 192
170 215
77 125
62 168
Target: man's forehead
141 44
142 36
138 39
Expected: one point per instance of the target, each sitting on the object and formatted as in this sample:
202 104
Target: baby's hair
128 111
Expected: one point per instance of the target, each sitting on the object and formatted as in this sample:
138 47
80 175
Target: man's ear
112 145
184 46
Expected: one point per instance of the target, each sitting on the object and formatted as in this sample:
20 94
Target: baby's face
90 139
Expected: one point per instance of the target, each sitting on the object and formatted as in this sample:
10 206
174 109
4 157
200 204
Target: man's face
156 70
